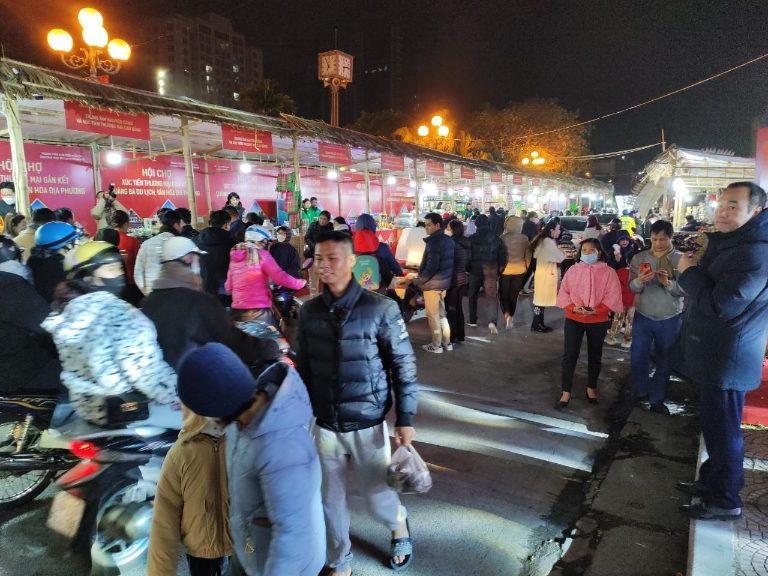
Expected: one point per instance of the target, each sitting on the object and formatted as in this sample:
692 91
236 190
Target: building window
235 68
236 95
209 69
205 29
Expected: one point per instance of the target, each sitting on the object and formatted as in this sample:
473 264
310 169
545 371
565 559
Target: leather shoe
692 489
660 408
701 511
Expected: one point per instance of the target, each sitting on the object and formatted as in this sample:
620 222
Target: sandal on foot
401 547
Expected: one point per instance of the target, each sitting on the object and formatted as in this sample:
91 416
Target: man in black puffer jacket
216 242
434 279
489 258
354 355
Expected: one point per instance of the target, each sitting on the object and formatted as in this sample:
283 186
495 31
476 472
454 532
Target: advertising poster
256 188
399 197
59 177
246 139
85 119
435 169
334 153
467 173
394 163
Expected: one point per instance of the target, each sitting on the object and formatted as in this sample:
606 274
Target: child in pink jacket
251 267
590 290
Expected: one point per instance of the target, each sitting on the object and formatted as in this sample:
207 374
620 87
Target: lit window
207 78
209 69
236 95
235 68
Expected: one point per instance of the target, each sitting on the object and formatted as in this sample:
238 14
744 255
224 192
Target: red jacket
129 248
627 296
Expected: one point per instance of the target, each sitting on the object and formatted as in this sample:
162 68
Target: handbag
126 408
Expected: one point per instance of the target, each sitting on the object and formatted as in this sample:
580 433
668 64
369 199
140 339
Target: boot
538 321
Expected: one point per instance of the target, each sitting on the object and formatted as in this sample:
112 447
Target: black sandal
401 547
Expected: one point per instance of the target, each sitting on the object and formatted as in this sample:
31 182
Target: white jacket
107 347
547 275
147 268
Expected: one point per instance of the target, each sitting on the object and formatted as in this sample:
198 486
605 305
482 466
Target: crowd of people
163 319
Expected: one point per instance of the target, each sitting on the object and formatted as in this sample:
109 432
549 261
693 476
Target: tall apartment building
202 58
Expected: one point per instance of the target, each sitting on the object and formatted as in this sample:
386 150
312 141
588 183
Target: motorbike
286 307
26 467
409 296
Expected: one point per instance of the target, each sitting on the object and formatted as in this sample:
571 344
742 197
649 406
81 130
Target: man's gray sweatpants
367 453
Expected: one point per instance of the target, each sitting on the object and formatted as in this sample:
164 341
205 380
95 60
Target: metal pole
18 158
338 191
368 186
188 169
663 141
482 192
297 186
207 183
416 181
96 161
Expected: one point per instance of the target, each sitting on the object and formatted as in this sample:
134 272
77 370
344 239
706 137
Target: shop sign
435 169
334 153
467 173
246 139
85 119
392 163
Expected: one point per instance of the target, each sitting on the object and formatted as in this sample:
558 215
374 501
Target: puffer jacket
488 251
192 498
436 267
726 320
462 260
594 285
274 483
47 267
249 285
518 253
108 347
148 260
353 353
217 243
366 242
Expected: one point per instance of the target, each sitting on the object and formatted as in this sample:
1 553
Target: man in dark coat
434 279
725 326
489 258
214 265
187 230
320 226
531 225
354 355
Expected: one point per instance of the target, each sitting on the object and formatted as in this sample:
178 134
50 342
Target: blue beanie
365 222
623 234
214 382
481 221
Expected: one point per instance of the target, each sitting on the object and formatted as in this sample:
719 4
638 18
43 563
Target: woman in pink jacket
251 267
590 290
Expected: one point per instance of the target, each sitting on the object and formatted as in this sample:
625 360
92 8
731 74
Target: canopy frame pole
418 191
96 161
18 158
297 186
207 182
367 186
188 169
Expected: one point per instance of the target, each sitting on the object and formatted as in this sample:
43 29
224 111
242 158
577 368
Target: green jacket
311 214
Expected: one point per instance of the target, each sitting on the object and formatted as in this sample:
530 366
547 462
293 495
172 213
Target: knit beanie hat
623 234
481 221
365 222
214 382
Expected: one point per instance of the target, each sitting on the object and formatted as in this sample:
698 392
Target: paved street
508 468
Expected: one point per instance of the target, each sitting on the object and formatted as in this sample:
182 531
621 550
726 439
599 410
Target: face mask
196 269
9 200
114 285
535 220
589 258
281 237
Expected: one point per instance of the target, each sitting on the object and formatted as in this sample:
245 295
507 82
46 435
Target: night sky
593 55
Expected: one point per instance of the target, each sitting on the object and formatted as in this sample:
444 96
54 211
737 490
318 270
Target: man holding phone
106 206
658 314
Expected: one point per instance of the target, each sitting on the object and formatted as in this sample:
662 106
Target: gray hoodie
653 300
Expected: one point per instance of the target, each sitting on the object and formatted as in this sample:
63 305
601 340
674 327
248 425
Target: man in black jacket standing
489 258
434 279
216 242
354 355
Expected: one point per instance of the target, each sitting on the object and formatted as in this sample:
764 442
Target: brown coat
192 500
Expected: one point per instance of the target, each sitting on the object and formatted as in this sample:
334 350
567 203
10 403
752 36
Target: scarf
177 275
252 249
664 263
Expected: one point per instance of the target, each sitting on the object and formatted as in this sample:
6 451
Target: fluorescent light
114 157
245 168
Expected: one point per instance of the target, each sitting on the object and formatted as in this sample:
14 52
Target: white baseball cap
178 247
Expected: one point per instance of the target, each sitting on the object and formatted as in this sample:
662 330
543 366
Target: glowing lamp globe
60 40
391 180
442 131
526 160
423 131
90 18
114 157
119 49
534 154
437 121
96 37
465 189
332 174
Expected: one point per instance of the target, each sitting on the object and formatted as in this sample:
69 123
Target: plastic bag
407 473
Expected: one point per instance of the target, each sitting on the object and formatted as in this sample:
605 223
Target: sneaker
432 348
610 340
448 347
492 328
626 344
509 322
471 325
702 511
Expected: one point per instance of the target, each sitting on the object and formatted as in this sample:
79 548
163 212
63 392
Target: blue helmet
55 235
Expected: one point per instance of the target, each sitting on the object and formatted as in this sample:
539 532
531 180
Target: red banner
145 186
393 163
399 197
59 177
246 139
79 117
535 182
496 177
256 188
550 184
517 179
435 168
467 173
334 153
761 157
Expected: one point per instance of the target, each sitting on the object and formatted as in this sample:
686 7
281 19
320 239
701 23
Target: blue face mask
589 258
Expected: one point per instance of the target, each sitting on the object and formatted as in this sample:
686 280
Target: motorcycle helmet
177 247
256 233
56 235
9 250
82 261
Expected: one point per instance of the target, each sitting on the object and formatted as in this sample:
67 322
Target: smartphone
645 267
589 308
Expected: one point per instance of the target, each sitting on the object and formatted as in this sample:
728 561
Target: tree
265 98
383 123
506 133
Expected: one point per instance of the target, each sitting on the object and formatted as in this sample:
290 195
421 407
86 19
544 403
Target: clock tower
334 68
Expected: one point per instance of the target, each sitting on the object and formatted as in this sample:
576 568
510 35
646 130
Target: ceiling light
391 180
114 157
332 174
245 168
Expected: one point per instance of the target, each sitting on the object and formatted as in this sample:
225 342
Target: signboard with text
517 179
393 163
467 173
496 177
85 119
256 189
334 153
246 139
435 169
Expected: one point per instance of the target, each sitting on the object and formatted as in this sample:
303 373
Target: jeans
722 473
662 334
574 335
207 566
454 309
509 288
434 304
487 281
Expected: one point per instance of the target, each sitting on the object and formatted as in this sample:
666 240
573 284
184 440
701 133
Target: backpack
367 272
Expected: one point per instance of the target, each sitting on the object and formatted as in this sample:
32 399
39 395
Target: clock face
328 65
345 67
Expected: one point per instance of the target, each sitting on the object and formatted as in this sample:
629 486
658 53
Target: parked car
572 229
605 219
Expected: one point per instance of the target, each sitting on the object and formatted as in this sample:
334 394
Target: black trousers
454 311
509 289
487 280
530 271
574 335
207 566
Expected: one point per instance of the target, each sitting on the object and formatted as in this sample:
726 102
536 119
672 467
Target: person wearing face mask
106 346
286 256
548 256
590 291
7 198
186 317
52 243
